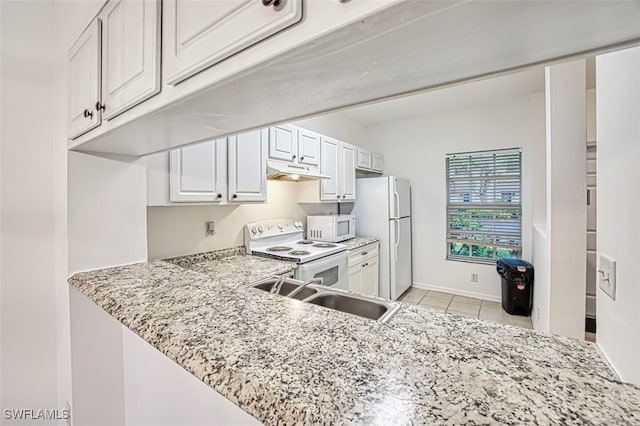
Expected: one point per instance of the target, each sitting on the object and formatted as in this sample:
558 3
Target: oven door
332 269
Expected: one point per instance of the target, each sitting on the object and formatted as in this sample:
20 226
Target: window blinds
484 210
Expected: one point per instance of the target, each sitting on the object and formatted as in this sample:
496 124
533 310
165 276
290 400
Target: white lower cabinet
118 378
364 270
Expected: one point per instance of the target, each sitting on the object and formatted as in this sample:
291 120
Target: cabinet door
364 159
84 81
197 173
329 165
348 171
369 283
308 148
283 143
377 162
198 34
248 166
130 53
355 278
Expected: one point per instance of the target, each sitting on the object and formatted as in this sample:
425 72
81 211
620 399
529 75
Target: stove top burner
299 253
324 245
279 248
305 242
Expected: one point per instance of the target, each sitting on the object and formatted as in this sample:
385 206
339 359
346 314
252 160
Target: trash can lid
514 263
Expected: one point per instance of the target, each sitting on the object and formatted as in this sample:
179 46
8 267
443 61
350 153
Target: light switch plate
607 275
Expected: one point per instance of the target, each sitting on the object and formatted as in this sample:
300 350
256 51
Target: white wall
618 174
560 234
335 125
28 189
180 230
416 149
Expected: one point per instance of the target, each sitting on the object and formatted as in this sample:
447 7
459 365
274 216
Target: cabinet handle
88 114
302 158
365 264
293 157
344 196
235 196
274 3
219 196
364 253
100 106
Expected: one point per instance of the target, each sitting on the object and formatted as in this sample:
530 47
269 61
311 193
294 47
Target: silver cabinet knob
88 114
274 3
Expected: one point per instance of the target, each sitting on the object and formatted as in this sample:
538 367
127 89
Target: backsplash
180 230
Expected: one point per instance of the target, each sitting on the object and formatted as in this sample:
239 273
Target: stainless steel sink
373 308
363 306
287 287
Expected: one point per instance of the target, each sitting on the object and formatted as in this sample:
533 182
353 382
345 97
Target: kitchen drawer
360 254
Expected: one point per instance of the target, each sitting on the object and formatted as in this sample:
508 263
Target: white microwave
331 228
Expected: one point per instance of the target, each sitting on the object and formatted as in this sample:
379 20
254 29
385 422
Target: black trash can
517 285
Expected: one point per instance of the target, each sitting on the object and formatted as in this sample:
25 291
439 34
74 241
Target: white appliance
332 228
383 210
283 239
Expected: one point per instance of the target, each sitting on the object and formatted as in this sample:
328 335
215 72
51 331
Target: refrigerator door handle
395 194
397 238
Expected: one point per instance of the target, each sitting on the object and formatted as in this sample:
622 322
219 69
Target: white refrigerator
383 210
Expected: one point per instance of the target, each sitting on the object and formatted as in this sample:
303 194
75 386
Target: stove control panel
272 228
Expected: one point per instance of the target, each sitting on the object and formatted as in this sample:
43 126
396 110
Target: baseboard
481 296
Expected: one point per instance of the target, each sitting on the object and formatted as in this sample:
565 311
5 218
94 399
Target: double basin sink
368 307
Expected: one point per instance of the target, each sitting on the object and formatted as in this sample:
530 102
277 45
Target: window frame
482 206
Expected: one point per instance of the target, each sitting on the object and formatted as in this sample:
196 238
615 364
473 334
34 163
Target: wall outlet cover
473 277
607 275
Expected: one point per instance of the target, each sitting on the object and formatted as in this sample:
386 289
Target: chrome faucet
275 289
304 285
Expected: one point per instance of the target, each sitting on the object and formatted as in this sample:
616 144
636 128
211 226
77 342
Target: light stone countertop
358 242
289 362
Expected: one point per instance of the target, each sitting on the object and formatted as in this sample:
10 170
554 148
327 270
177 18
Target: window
484 206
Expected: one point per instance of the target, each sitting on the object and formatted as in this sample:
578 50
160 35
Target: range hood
277 170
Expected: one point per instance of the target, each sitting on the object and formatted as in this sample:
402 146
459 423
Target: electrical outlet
607 275
538 313
473 277
211 228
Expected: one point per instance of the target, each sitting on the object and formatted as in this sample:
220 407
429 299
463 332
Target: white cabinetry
114 64
363 270
198 173
198 34
84 81
330 166
135 384
247 166
130 53
369 161
308 147
347 172
283 143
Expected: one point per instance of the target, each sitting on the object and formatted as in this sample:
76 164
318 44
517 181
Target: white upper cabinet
84 81
130 53
247 166
348 172
364 159
377 162
308 148
330 166
283 143
198 34
198 173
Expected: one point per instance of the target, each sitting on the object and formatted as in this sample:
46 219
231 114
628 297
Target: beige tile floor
454 304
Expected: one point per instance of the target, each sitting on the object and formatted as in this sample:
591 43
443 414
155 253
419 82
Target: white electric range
284 239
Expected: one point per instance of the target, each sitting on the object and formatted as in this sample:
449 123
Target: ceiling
469 95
